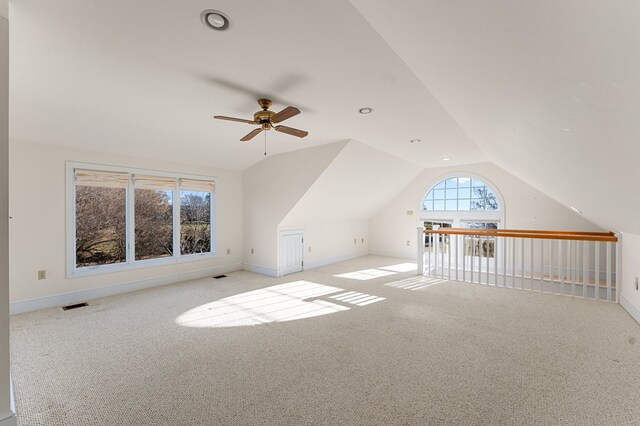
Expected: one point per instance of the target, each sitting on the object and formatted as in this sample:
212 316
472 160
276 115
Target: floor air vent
76 306
217 277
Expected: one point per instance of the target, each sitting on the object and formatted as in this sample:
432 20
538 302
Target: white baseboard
632 309
263 270
398 254
62 299
331 260
307 265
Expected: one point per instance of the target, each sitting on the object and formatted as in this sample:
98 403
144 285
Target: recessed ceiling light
446 158
415 141
365 110
214 19
575 210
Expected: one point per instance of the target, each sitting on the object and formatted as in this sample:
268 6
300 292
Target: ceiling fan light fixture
365 110
214 19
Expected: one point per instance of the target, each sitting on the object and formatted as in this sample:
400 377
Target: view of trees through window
154 223
101 219
195 222
100 225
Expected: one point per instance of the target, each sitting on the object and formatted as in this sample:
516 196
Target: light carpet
354 343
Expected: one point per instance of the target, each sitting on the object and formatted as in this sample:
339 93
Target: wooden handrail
529 233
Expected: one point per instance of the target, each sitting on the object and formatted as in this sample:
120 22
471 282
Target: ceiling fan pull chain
265 144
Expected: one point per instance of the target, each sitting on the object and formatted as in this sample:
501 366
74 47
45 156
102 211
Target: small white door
291 253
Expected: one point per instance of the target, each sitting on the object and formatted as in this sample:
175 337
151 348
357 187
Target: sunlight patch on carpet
416 283
401 267
278 303
365 274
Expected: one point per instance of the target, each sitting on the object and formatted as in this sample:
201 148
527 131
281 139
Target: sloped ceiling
356 185
549 90
144 78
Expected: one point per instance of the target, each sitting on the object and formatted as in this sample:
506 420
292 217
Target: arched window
461 201
461 194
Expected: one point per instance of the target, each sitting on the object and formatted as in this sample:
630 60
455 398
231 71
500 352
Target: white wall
630 297
271 188
525 207
6 415
38 240
335 210
331 242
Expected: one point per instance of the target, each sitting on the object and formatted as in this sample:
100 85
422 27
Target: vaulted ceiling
548 90
145 78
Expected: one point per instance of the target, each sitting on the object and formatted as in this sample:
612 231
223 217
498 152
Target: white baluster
609 297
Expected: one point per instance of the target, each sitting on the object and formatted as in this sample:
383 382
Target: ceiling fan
268 120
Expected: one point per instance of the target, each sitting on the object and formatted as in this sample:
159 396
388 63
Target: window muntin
460 194
123 217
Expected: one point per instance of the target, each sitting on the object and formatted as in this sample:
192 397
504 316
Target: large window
460 201
119 218
460 194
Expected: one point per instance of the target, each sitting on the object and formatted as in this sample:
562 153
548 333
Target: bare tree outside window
100 225
154 223
102 217
485 199
195 222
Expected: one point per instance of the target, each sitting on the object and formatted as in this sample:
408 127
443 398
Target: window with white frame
120 218
462 201
100 217
460 193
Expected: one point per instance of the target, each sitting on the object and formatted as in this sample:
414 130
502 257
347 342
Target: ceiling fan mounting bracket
264 103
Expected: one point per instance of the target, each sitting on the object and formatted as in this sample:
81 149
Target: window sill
138 264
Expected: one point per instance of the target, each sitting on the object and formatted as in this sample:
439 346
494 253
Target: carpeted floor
371 346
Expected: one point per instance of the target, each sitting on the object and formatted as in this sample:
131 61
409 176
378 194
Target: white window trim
130 262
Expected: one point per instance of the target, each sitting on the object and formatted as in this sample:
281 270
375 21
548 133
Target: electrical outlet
408 243
363 241
228 251
355 241
42 275
251 251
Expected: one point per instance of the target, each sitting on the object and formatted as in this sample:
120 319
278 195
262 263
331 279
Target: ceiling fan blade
286 113
291 131
251 134
239 120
